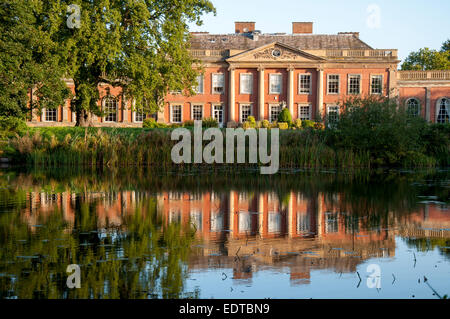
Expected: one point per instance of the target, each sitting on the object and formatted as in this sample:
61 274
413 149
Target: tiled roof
203 41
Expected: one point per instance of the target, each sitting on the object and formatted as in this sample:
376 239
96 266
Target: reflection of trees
140 259
428 244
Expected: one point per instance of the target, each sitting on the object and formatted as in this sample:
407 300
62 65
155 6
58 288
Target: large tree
427 59
139 45
29 60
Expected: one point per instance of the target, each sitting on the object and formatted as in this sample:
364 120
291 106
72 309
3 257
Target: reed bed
95 147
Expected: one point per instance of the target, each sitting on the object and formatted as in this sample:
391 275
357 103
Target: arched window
413 107
443 110
110 108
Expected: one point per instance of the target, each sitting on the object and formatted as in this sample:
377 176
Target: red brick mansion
252 73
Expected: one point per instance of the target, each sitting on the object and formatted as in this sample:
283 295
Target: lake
225 234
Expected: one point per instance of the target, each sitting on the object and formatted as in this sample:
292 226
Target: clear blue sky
406 25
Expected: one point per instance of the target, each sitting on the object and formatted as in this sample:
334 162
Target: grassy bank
152 147
376 133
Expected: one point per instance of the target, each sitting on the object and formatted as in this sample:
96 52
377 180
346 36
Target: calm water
225 235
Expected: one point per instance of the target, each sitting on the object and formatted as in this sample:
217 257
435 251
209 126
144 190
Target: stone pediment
275 52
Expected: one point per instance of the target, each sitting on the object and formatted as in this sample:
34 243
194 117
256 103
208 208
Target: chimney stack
302 27
244 27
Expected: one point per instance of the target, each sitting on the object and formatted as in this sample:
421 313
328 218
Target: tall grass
52 147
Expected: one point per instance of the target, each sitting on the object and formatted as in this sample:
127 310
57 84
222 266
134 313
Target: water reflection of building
250 231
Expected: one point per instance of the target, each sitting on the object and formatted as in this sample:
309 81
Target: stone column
124 109
65 112
319 107
427 104
231 95
392 83
261 93
291 91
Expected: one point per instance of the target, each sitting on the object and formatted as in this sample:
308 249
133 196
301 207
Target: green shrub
150 123
265 124
10 126
210 122
307 123
189 123
247 125
285 116
251 120
378 126
297 124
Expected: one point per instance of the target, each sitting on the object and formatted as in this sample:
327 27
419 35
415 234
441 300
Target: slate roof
203 41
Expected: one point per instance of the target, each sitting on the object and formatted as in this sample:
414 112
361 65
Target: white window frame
418 105
438 107
300 82
171 112
270 111
333 106
213 75
200 88
299 106
350 76
250 87
44 115
117 108
338 81
372 76
272 76
241 109
213 113
192 110
135 113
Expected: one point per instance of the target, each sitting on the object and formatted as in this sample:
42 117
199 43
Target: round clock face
276 53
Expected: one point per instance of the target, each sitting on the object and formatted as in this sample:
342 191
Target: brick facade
299 57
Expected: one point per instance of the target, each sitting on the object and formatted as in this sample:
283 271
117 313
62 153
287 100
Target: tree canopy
140 45
29 60
427 59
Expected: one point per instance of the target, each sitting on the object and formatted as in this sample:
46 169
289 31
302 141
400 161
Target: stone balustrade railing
379 53
424 75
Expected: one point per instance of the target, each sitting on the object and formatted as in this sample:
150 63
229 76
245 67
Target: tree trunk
84 118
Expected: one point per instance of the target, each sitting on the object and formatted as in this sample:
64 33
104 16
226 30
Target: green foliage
210 122
285 116
265 124
30 58
140 46
307 123
298 124
389 134
426 59
10 126
250 123
446 46
283 126
189 123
